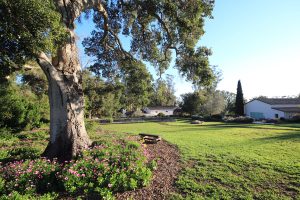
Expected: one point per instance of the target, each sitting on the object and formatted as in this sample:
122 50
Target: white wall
155 112
266 109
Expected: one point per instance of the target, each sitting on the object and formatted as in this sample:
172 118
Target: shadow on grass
295 136
22 153
253 126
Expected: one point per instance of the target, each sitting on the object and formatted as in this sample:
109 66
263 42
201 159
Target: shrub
213 118
161 115
137 113
6 133
116 168
282 119
23 153
101 171
19 110
197 117
272 121
295 119
240 119
30 176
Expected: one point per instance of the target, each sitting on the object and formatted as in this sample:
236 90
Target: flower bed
105 169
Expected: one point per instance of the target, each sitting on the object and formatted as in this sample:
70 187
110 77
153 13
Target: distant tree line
24 102
208 101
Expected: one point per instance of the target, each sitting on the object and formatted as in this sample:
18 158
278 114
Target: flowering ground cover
231 161
114 164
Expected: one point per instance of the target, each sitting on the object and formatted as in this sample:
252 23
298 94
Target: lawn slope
225 161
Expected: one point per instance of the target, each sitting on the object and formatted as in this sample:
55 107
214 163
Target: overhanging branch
104 14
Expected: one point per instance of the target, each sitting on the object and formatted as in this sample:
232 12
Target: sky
257 42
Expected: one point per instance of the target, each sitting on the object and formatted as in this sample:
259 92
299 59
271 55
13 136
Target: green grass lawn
231 161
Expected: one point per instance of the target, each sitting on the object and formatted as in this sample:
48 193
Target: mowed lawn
231 161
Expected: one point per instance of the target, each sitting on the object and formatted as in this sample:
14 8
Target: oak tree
44 31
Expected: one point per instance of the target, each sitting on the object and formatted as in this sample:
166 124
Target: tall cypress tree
239 101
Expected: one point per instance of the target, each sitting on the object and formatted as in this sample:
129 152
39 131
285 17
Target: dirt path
164 176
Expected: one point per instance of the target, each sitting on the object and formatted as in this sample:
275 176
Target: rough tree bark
68 135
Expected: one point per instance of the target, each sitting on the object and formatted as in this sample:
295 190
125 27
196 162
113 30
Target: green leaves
195 67
26 28
155 28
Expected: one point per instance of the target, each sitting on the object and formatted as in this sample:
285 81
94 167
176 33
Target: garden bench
150 138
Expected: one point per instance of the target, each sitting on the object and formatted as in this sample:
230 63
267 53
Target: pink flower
110 185
83 175
66 178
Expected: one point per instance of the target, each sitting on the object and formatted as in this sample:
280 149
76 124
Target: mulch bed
164 177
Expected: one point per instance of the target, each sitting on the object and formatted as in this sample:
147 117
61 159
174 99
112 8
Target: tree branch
163 24
50 71
104 14
126 54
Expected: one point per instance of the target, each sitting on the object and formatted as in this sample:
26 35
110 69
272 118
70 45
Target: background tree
163 92
155 28
192 102
239 102
20 107
214 103
137 84
229 102
92 87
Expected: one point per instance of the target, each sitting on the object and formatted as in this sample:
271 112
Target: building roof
288 109
279 101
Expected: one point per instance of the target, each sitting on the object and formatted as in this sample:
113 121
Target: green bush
24 153
213 118
116 167
19 109
240 119
31 176
161 115
6 133
294 119
101 171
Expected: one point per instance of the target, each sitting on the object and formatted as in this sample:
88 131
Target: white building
273 108
166 110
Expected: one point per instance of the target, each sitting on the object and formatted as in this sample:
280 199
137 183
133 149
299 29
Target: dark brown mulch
164 177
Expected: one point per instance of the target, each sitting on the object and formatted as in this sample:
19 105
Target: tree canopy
26 28
155 28
44 31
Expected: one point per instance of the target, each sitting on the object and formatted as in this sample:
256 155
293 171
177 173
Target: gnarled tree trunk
68 135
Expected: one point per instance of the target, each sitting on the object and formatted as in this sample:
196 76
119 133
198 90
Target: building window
276 116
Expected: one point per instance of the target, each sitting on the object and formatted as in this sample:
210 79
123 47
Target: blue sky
256 41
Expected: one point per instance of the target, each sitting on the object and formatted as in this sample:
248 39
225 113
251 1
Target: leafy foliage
239 119
155 29
229 102
109 167
164 92
26 28
137 84
191 102
19 108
